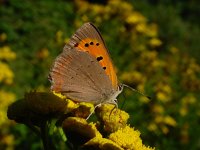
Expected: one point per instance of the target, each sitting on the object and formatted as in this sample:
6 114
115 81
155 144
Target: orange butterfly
84 71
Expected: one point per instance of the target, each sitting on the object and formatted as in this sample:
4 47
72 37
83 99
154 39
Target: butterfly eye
120 87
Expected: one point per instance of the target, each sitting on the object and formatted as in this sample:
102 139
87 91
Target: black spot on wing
104 68
86 45
99 58
76 45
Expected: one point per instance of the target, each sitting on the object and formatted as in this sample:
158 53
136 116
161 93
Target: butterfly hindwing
79 76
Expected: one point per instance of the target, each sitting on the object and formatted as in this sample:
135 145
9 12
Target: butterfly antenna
136 91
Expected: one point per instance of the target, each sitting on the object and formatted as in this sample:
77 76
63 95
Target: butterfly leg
116 106
93 111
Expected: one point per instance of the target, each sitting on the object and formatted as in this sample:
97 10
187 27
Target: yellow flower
157 63
152 127
144 99
183 111
163 97
3 37
174 50
155 42
6 98
59 95
135 18
112 119
101 143
45 103
43 53
133 77
158 109
170 121
78 127
164 129
141 27
59 36
6 53
189 99
159 119
8 140
152 30
6 74
128 138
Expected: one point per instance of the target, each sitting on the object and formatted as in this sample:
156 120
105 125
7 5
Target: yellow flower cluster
111 131
43 53
6 79
6 53
121 136
6 98
186 102
128 138
6 74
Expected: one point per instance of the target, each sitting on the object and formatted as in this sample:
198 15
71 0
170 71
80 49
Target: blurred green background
154 46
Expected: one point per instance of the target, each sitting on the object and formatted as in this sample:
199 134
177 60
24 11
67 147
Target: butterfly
84 71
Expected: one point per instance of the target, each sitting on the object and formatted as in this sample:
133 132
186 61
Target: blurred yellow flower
9 141
43 53
183 111
144 99
152 30
66 40
155 42
150 55
174 50
128 138
167 89
84 18
141 28
152 127
59 36
159 119
6 74
132 77
163 97
158 63
164 129
158 109
3 37
186 101
170 121
135 18
6 98
6 53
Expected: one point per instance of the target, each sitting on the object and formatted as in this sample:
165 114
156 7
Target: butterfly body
84 71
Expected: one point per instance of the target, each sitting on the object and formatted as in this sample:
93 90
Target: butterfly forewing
88 39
